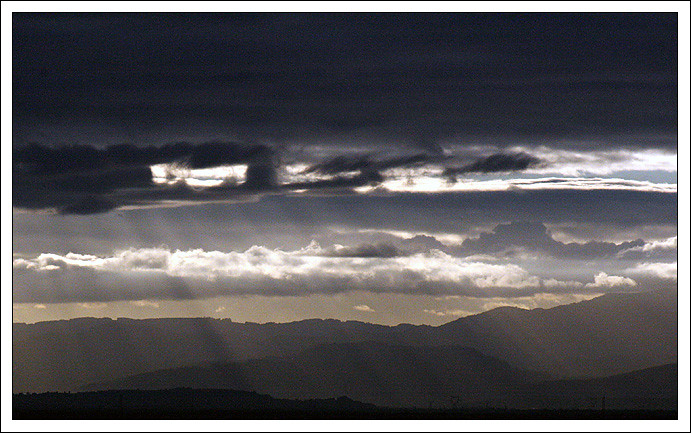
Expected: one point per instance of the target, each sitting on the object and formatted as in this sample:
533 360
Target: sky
385 168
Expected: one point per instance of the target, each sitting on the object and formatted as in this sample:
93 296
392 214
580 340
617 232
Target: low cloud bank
159 273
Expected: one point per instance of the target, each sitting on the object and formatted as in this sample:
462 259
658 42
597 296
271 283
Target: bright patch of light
659 270
295 169
412 173
441 184
599 163
166 174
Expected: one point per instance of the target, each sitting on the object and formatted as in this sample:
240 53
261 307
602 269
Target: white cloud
669 243
92 305
445 313
365 308
461 306
602 280
666 249
579 163
656 270
155 273
198 177
146 304
537 300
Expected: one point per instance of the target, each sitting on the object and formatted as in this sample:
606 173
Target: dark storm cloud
349 81
370 167
84 179
383 250
41 159
421 243
534 236
409 79
501 162
366 163
74 190
342 183
86 205
498 162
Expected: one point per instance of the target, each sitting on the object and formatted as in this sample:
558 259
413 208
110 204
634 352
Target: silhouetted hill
230 404
607 335
61 355
651 388
172 403
388 375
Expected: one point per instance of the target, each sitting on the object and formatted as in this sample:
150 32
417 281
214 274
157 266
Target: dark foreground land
228 404
412 414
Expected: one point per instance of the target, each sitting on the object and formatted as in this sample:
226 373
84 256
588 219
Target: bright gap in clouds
428 184
557 169
566 162
166 174
635 170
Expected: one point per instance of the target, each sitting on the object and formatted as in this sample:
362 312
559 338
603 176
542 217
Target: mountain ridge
606 335
372 372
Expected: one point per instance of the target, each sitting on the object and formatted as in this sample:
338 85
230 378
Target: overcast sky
379 167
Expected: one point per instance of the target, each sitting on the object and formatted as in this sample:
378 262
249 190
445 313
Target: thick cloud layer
292 221
344 79
385 103
85 179
39 159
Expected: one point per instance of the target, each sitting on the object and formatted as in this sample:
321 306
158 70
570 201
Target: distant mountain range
611 334
650 388
402 376
379 373
474 358
643 394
